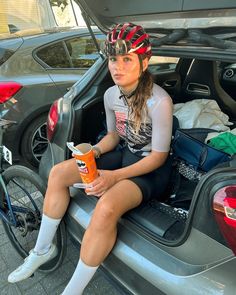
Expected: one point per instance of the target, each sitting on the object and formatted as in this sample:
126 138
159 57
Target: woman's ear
145 64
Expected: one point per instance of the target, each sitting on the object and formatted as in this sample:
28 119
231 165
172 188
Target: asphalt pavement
46 284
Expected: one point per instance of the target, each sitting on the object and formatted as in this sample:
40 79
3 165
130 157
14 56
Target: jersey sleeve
162 121
110 114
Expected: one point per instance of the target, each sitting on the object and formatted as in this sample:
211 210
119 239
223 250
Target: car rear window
54 56
8 47
77 52
82 51
5 54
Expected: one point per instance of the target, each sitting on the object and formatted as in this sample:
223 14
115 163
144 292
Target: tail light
224 205
8 89
52 120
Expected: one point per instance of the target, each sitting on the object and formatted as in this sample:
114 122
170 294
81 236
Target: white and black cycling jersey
156 124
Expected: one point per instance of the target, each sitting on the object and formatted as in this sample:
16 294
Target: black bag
181 191
188 145
192 158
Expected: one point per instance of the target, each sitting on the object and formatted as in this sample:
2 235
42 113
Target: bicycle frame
4 191
10 217
3 215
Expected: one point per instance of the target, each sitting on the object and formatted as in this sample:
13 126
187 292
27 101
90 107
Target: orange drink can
86 162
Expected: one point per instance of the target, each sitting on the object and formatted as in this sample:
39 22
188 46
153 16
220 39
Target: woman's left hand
102 183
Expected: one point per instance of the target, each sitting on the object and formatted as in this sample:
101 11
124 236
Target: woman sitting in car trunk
137 111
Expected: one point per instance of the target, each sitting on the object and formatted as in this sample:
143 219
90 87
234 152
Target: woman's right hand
105 180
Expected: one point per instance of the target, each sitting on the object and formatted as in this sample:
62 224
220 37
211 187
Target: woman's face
125 70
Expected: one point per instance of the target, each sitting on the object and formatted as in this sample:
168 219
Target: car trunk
201 44
161 14
181 29
167 220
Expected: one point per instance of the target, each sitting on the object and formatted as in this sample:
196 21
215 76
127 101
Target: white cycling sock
46 234
80 279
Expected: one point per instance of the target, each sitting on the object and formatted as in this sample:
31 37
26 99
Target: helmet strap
126 96
141 67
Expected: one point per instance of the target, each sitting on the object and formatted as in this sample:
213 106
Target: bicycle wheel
22 182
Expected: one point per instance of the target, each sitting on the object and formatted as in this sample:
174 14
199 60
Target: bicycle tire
23 238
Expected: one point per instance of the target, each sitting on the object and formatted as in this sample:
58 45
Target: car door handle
198 89
170 83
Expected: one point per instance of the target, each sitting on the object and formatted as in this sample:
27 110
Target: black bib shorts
152 185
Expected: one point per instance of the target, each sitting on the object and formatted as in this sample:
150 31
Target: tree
59 3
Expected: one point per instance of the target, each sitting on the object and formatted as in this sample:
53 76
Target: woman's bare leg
100 236
57 197
56 202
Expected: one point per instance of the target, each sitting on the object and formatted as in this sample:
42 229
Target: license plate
7 155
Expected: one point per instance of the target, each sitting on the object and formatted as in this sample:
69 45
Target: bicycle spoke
18 196
28 222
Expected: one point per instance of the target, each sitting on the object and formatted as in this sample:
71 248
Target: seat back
202 81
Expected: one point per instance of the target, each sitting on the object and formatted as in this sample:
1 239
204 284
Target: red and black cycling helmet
127 38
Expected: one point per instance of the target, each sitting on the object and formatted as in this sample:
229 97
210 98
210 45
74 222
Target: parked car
162 247
37 68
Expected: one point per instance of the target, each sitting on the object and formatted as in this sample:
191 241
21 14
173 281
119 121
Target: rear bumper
144 266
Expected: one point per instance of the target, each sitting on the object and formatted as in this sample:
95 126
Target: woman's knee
54 173
58 173
105 216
